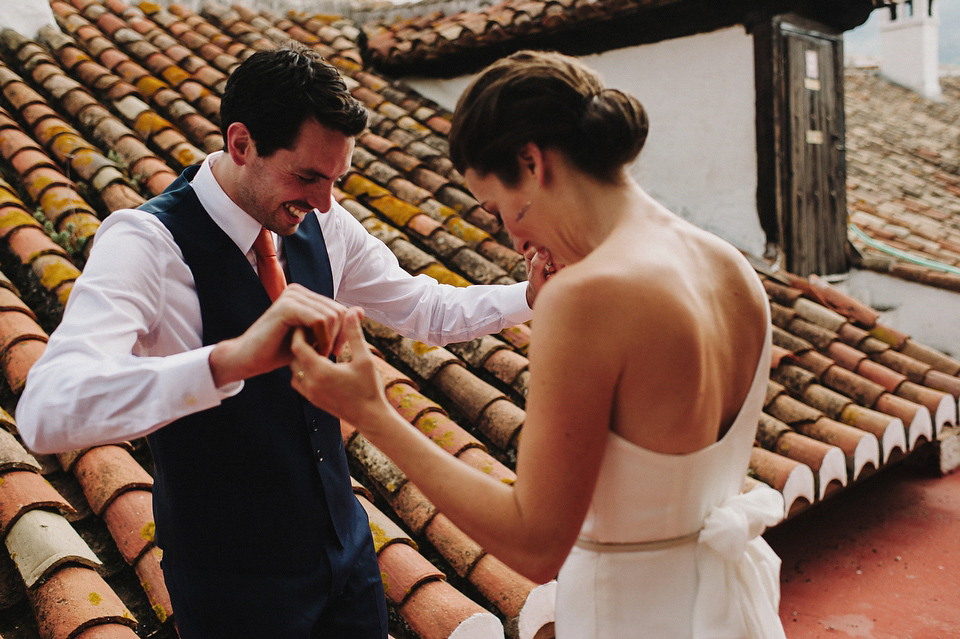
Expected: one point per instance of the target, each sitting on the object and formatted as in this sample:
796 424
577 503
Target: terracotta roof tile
794 480
412 507
24 490
107 471
459 550
437 609
826 461
13 456
383 529
129 517
151 580
834 419
41 543
75 599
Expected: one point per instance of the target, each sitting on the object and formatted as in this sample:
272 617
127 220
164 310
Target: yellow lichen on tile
148 531
149 7
175 75
187 155
421 349
467 232
149 123
357 185
396 210
160 612
14 217
95 598
427 425
380 536
53 273
445 440
444 275
150 85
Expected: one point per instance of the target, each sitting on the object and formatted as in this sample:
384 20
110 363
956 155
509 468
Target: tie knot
263 246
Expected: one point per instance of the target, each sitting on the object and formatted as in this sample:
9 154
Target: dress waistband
637 546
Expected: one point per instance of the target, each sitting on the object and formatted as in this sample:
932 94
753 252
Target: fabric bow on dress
743 568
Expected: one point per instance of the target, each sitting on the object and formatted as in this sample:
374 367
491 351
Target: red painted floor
877 561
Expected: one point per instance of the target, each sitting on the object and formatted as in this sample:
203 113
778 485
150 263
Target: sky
865 39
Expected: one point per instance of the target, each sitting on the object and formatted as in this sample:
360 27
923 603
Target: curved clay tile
118 195
24 490
129 518
825 460
941 381
382 528
105 472
16 324
404 571
13 456
109 23
22 353
41 543
151 579
502 421
75 599
792 479
436 610
445 432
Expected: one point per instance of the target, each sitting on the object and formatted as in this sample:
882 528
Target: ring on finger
300 375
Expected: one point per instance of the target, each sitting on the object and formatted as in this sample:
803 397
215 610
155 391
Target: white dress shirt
128 358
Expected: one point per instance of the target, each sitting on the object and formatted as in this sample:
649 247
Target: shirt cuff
198 392
515 308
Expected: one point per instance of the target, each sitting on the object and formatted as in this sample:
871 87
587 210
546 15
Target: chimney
909 37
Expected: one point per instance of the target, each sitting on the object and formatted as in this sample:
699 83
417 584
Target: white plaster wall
929 315
26 16
700 158
909 46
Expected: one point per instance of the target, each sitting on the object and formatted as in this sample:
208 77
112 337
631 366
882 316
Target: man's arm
417 307
126 358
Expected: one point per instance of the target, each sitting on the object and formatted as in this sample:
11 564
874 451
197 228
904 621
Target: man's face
281 189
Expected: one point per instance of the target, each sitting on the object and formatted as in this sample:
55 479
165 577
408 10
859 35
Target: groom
178 331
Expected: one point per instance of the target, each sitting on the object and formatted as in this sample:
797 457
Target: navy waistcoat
260 482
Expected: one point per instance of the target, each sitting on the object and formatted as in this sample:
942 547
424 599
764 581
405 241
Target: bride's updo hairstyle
554 101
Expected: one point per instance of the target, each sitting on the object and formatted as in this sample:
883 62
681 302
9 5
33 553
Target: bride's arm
531 525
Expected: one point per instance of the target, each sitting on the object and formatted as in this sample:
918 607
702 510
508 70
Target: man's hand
265 346
540 268
350 390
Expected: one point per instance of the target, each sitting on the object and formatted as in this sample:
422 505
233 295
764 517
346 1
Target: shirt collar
235 222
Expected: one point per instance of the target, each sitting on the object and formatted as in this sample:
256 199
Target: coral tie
268 266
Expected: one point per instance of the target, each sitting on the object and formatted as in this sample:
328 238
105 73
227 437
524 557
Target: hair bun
615 124
554 101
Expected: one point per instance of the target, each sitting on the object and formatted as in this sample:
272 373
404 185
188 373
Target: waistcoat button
319 455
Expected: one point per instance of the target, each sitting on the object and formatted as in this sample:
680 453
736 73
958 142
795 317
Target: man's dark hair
273 92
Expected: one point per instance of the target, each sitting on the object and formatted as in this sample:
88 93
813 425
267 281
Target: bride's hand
349 390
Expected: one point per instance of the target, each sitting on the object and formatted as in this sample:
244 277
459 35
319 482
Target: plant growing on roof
67 238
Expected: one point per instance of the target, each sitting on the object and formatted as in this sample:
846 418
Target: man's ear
240 145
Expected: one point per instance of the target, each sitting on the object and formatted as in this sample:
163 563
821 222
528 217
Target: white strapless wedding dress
670 548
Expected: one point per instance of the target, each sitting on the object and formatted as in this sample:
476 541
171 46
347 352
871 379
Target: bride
648 362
